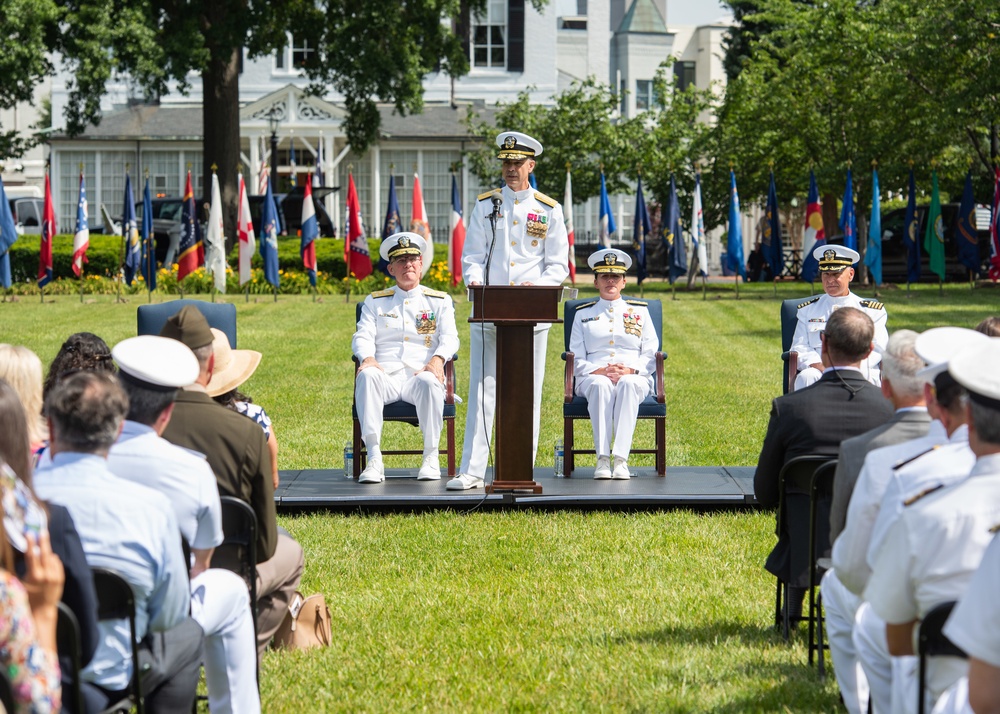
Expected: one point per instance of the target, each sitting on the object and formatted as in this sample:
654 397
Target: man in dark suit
236 450
902 387
815 420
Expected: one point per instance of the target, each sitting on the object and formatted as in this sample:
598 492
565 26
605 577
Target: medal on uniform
633 323
426 325
538 225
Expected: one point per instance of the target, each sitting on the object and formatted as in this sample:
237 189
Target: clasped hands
615 371
435 366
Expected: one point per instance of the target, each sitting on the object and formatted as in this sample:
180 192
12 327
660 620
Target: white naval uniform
605 333
811 321
403 330
843 584
928 557
220 601
531 247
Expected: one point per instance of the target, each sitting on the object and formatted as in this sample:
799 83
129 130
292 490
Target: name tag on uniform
390 315
590 319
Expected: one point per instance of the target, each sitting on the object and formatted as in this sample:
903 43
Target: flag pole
737 286
274 288
246 292
704 288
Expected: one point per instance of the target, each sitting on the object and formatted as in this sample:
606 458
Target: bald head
847 339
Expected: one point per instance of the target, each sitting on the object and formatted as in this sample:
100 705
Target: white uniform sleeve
800 344
650 345
556 263
476 246
447 331
363 343
890 589
850 550
578 346
974 624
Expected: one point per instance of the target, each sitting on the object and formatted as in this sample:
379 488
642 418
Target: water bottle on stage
558 470
349 460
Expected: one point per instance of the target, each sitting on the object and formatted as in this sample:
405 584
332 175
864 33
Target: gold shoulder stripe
637 302
807 302
920 494
872 304
995 528
900 464
383 293
488 194
434 293
546 200
586 304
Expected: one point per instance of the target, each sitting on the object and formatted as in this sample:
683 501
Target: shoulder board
872 304
636 302
546 200
807 302
488 194
900 464
434 293
920 494
995 528
383 293
586 304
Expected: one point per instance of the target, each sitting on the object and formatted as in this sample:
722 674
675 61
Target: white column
376 223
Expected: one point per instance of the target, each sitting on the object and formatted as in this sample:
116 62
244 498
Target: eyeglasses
406 259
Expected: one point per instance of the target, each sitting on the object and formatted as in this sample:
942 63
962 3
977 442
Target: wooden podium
515 310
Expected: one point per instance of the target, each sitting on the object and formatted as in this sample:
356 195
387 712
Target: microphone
497 200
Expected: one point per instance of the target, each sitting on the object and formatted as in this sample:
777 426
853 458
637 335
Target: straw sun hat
232 367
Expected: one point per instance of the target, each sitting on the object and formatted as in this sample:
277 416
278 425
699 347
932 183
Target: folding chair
796 476
789 319
821 488
932 642
220 315
575 407
238 551
68 646
407 413
116 601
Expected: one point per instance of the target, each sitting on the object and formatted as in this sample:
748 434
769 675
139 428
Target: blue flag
310 232
532 181
640 229
814 234
965 229
773 253
734 246
848 219
269 238
291 159
911 229
873 253
148 241
8 236
130 233
392 223
607 225
674 236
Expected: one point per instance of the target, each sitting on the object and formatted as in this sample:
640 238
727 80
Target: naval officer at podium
516 236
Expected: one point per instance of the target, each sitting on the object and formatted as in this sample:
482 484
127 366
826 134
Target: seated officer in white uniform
531 248
405 335
835 269
614 343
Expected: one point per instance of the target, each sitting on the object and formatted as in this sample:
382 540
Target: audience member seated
22 370
78 594
85 412
405 336
151 370
80 351
933 548
614 373
237 452
989 327
835 269
231 369
815 420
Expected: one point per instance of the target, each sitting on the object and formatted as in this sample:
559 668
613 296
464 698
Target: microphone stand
493 225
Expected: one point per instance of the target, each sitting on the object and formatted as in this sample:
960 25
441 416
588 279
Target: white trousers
374 389
840 606
482 395
955 700
613 408
220 603
873 653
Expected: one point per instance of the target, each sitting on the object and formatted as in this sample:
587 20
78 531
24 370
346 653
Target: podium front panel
515 303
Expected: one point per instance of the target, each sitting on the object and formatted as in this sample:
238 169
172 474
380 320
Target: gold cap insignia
610 259
510 142
403 242
829 255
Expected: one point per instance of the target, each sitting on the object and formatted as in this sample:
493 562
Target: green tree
23 60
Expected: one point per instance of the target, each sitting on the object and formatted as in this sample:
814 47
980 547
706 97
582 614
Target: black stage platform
691 487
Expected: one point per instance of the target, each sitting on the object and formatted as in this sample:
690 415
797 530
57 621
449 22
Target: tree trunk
221 121
830 216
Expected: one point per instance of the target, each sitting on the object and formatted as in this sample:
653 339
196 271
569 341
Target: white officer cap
515 145
402 244
609 260
157 363
834 258
976 370
938 345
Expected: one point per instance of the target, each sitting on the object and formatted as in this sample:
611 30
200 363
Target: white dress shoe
463 482
621 472
430 469
603 470
374 472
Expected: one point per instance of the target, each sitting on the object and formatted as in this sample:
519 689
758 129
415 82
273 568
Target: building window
643 94
684 75
301 53
295 55
489 36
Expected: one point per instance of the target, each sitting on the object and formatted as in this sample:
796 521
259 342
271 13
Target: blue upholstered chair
407 413
789 311
575 407
220 315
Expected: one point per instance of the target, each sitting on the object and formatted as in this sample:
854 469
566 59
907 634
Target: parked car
290 210
27 214
894 247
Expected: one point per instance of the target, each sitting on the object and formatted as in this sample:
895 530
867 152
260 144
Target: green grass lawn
588 611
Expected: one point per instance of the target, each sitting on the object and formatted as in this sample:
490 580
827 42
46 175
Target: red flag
356 256
568 218
457 235
48 233
191 250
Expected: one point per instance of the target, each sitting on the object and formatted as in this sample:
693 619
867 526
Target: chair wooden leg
661 447
357 445
569 462
451 447
777 604
819 635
